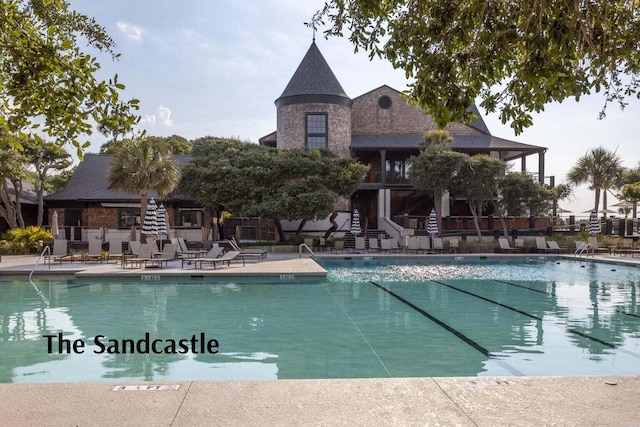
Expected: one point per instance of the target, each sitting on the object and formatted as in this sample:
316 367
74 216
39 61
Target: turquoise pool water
368 319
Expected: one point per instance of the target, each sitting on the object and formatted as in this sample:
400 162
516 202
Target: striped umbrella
594 223
162 221
150 224
432 226
355 223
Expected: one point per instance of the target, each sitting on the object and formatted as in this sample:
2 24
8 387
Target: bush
26 240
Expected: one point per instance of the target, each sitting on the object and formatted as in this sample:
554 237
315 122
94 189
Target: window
384 102
316 130
191 217
128 217
397 171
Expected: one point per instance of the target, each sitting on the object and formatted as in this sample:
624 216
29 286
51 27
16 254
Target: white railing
304 245
46 249
581 249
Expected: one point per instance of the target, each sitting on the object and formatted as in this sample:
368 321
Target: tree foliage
523 195
600 169
12 172
48 85
248 179
514 56
177 144
139 166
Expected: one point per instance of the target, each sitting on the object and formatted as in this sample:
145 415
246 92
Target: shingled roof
313 81
89 182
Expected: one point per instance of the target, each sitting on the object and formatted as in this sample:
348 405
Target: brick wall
100 217
291 126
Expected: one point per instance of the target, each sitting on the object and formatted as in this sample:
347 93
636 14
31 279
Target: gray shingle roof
313 77
89 182
475 143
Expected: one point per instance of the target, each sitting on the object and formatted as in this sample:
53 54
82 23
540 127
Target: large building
379 128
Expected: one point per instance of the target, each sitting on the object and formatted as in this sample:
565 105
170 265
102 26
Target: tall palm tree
140 165
599 168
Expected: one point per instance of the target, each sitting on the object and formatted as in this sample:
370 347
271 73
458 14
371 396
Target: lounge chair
257 254
134 247
438 245
424 244
553 246
395 246
593 241
541 245
385 245
338 246
213 253
144 255
519 244
226 258
583 248
59 252
95 251
183 250
360 244
505 246
454 245
413 244
373 244
168 254
115 250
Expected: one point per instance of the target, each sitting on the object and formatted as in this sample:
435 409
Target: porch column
383 167
523 163
541 167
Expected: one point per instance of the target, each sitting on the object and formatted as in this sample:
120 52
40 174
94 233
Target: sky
213 68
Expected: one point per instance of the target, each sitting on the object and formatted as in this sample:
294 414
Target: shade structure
162 221
432 225
150 224
355 223
594 223
55 229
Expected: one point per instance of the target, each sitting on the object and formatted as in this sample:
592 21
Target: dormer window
317 133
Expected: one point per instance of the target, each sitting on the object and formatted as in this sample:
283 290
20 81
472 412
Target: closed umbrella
55 230
162 222
432 226
150 224
355 223
594 224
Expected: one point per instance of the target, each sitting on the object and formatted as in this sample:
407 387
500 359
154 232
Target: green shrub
26 240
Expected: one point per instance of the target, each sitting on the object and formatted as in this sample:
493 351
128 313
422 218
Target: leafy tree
631 188
139 166
434 168
477 182
599 168
44 157
47 84
58 182
177 144
515 56
12 171
248 179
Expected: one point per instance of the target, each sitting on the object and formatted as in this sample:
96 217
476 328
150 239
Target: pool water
370 318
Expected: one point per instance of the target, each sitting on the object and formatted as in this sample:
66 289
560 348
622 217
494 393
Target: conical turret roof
313 81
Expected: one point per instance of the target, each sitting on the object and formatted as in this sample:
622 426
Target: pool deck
477 401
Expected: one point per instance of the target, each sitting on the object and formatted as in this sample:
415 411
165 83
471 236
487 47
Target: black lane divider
628 314
455 332
523 287
533 316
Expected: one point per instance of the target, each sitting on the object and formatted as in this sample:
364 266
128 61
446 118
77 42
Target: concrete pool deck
477 401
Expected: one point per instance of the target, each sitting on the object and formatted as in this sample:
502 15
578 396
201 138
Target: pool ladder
584 247
305 246
46 249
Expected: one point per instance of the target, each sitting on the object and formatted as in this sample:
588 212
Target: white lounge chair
505 246
213 253
95 251
168 254
226 258
144 255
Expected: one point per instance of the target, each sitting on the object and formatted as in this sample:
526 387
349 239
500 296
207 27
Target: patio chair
395 246
373 244
134 247
519 244
438 246
454 244
183 250
553 246
168 254
505 246
424 244
360 244
541 245
95 251
257 254
583 247
338 246
413 244
385 245
226 258
213 253
145 254
59 252
593 241
115 250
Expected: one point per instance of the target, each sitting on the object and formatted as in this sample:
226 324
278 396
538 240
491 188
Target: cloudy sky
208 67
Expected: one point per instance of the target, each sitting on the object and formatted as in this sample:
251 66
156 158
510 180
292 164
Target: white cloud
130 31
162 117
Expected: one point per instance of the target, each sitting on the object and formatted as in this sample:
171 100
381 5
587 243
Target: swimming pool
369 318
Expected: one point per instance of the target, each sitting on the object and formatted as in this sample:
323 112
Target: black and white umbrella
594 223
150 224
432 225
355 223
162 221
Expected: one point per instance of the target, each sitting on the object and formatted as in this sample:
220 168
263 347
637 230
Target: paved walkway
481 401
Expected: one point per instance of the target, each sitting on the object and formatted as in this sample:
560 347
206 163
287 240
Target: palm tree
601 169
140 165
